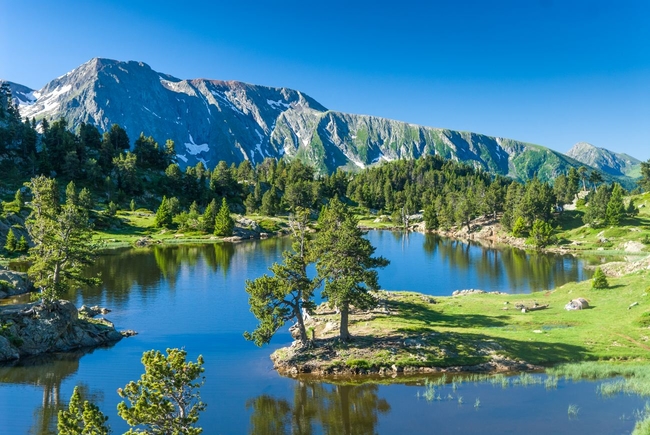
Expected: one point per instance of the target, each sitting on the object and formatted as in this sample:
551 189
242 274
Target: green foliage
209 216
599 280
22 245
644 182
344 262
541 235
519 227
164 214
270 202
276 299
615 207
132 205
165 400
631 210
224 224
596 213
111 210
81 418
11 243
62 235
431 218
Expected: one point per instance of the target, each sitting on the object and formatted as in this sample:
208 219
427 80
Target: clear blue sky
551 72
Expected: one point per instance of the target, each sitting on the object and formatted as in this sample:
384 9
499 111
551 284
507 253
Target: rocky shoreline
292 362
382 347
33 329
13 283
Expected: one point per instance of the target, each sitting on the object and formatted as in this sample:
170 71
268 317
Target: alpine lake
192 297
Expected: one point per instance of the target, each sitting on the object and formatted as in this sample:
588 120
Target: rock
14 283
94 311
143 242
7 351
633 246
33 329
467 292
128 333
577 304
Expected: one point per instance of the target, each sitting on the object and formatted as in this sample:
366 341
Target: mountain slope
606 161
212 120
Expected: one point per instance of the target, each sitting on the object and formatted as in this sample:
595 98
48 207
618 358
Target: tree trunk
301 324
344 334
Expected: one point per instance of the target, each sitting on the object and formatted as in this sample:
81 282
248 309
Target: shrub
599 280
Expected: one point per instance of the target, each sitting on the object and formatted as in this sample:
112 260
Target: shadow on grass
417 313
428 348
571 219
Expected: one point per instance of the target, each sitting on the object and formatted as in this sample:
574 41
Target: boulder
33 329
14 283
577 304
93 311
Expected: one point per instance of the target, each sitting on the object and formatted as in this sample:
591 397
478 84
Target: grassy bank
127 227
484 331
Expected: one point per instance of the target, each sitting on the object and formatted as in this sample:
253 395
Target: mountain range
212 120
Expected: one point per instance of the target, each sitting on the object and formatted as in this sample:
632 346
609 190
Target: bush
599 280
541 235
519 228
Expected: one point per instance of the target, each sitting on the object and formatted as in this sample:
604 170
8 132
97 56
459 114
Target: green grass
475 329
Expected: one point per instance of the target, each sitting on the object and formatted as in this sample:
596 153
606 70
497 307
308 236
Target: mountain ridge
211 120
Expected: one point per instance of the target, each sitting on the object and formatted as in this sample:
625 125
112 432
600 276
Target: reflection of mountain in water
49 372
338 409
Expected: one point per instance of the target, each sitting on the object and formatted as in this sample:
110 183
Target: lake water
193 297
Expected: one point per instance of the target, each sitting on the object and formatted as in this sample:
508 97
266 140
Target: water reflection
48 372
336 409
456 265
127 269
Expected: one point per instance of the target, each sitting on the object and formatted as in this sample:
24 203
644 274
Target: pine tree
132 205
277 299
81 418
599 280
541 235
11 243
519 227
270 202
163 215
165 400
631 210
209 216
344 262
62 235
224 224
22 245
615 205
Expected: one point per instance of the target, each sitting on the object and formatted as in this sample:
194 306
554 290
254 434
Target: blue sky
549 72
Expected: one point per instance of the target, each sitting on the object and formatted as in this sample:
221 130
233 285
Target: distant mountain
211 120
609 162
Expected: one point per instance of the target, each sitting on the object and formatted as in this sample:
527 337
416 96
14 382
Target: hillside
211 120
609 162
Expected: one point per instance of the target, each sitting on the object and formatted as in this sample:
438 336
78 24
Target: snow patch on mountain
278 104
194 149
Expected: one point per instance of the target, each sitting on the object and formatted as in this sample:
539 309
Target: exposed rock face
609 162
13 283
33 329
212 120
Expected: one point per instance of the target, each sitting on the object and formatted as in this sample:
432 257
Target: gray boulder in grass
577 304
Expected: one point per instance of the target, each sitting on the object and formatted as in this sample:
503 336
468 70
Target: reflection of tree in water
524 270
338 409
220 257
120 270
48 372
